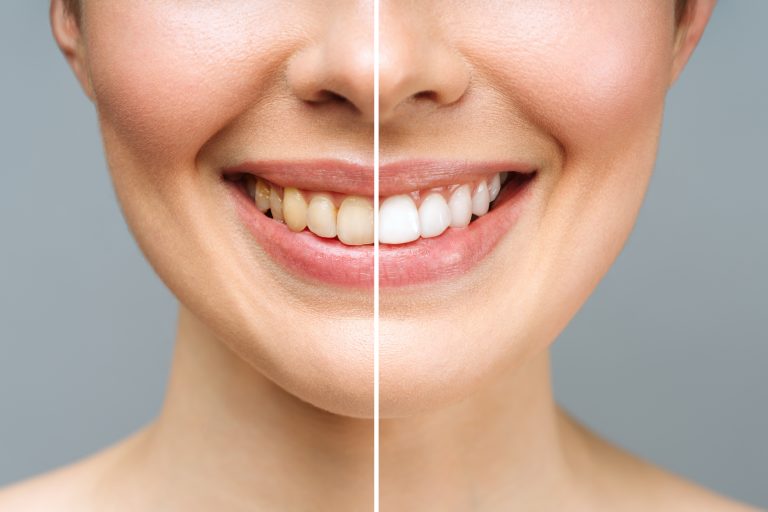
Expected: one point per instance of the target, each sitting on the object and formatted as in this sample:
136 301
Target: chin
433 370
330 367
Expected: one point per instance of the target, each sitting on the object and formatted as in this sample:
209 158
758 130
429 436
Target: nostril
328 96
426 95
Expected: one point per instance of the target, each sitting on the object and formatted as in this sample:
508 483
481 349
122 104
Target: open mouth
403 218
424 233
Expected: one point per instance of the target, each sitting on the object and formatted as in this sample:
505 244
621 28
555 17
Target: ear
689 31
68 36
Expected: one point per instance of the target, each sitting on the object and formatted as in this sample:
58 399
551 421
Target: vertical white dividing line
375 255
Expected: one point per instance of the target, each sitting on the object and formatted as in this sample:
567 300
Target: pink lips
329 261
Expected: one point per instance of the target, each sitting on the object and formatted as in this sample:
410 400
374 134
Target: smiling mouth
436 219
403 218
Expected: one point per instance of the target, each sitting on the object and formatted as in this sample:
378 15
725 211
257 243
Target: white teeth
434 215
460 205
321 216
398 220
481 199
494 187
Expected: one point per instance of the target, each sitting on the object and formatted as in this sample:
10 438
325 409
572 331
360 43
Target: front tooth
275 203
398 220
321 216
460 205
494 187
434 215
480 199
262 195
294 209
354 221
503 177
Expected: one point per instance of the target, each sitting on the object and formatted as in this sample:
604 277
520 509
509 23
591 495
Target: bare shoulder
73 487
678 494
626 482
55 490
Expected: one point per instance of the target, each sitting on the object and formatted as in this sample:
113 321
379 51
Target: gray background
668 358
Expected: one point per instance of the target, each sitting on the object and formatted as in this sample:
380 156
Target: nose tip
414 74
415 68
326 75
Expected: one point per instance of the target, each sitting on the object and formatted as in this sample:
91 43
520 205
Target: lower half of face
575 94
243 158
193 105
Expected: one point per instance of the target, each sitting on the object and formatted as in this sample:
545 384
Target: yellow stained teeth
261 194
276 204
321 216
294 209
354 222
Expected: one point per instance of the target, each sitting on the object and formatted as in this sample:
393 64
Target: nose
415 67
337 68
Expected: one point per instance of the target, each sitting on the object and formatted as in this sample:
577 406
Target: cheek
593 78
587 72
167 77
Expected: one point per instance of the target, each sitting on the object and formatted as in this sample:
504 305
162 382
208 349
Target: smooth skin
269 401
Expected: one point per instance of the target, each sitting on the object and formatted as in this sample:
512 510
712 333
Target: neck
504 448
229 439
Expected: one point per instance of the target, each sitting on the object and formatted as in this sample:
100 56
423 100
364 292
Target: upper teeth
402 218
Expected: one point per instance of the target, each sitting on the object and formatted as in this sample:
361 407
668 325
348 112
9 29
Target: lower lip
425 260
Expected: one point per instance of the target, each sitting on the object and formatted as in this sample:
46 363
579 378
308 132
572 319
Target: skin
585 106
269 401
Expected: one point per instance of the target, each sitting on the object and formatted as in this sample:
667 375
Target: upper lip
398 177
408 175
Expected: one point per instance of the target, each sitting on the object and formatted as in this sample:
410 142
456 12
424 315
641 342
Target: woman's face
192 98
